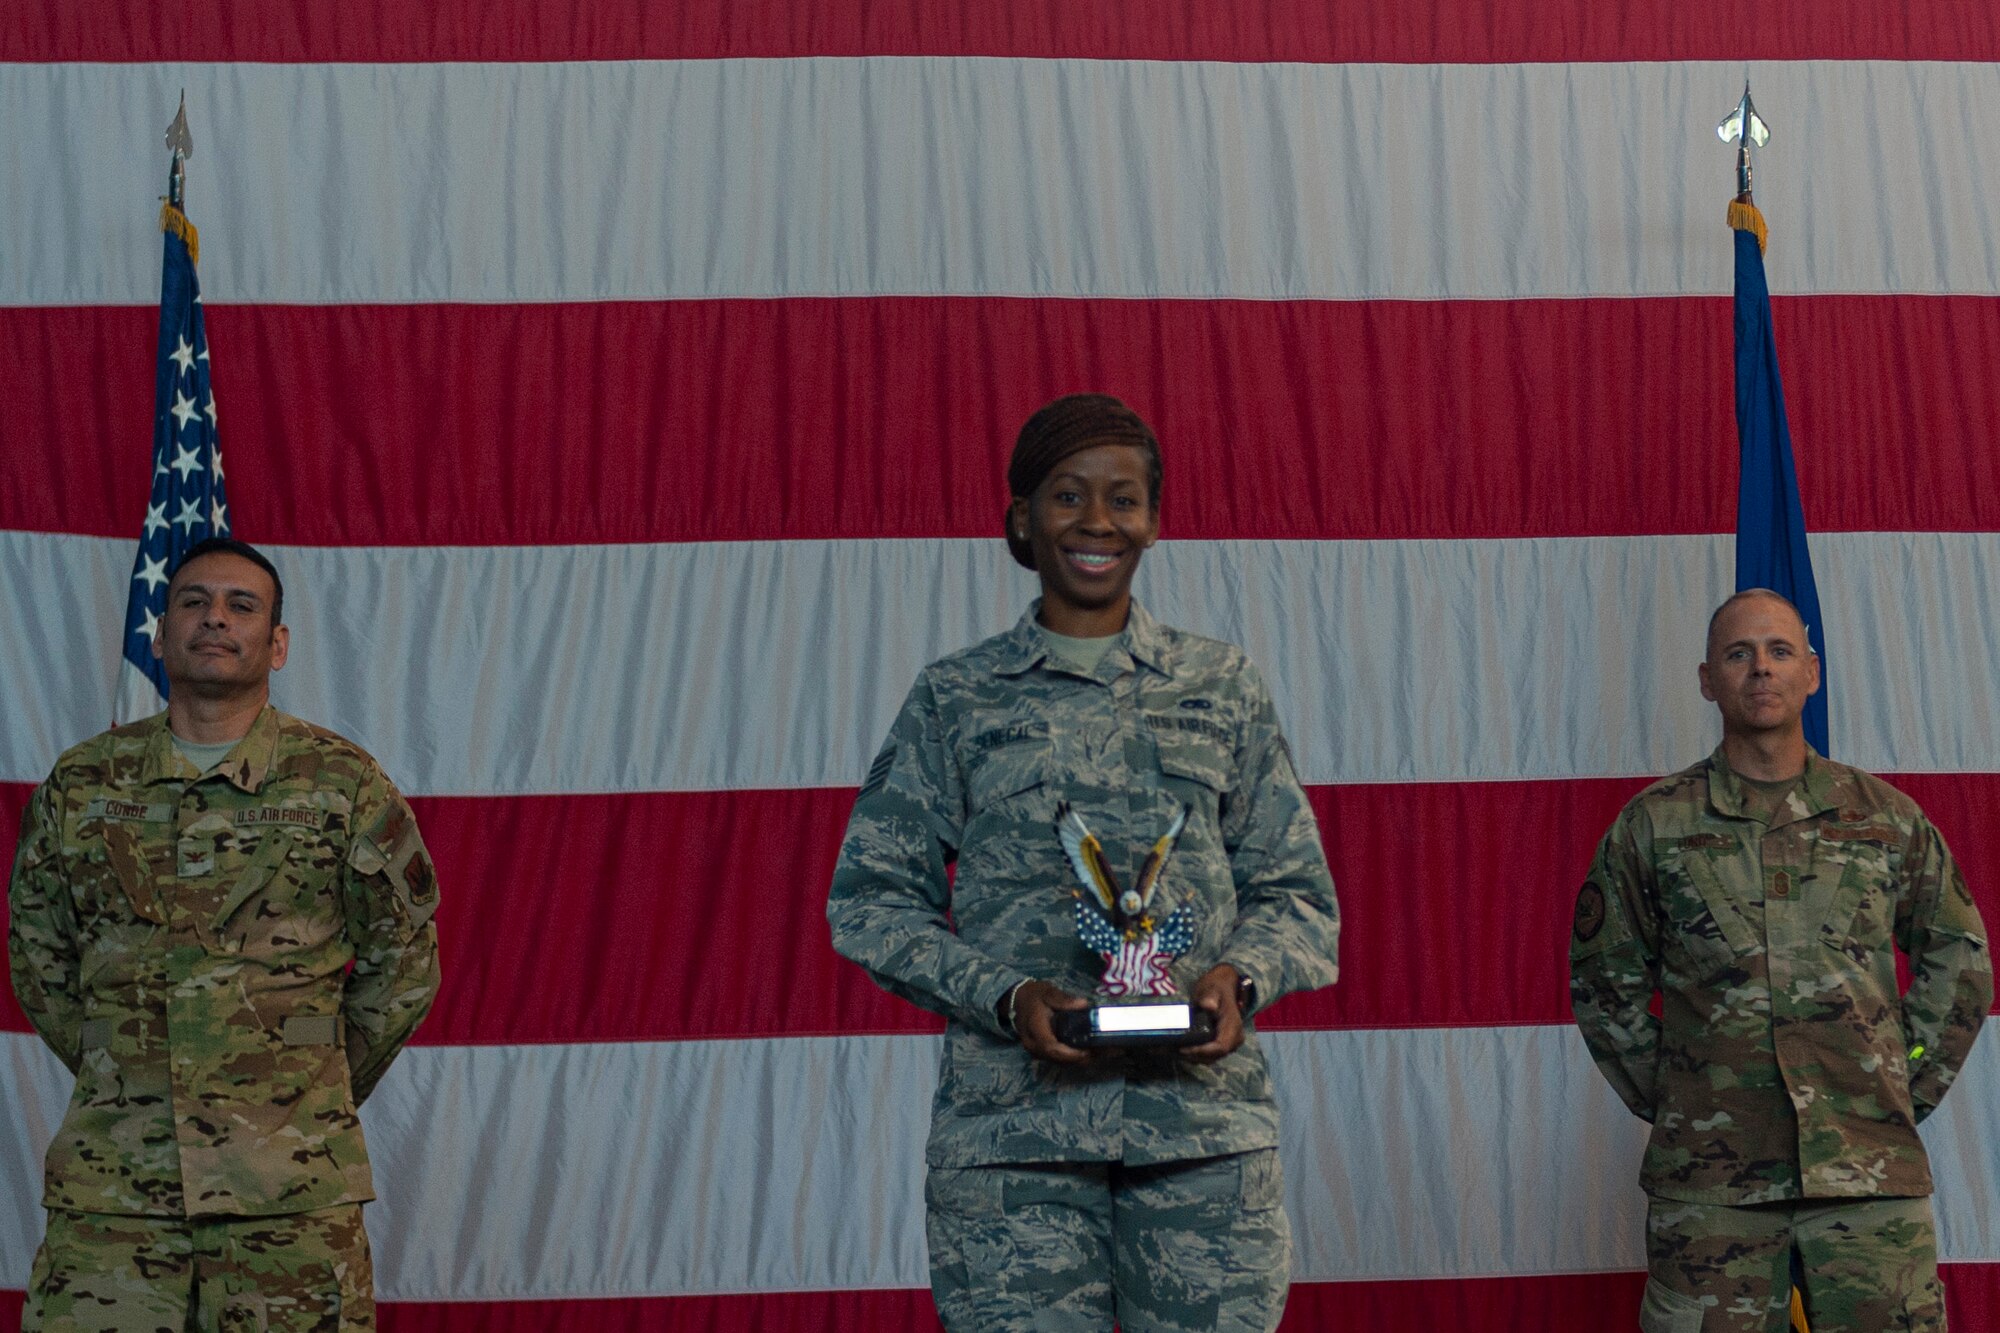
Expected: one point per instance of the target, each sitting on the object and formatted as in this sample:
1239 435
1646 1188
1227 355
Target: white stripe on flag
728 666
137 695
905 175
1440 1152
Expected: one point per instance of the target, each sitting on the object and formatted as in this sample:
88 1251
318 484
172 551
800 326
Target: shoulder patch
1589 911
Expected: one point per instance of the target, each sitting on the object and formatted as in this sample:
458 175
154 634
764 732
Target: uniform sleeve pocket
401 861
1664 1310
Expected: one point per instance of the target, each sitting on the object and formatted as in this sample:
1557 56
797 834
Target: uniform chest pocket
1706 928
1201 762
1006 775
111 883
283 895
1861 904
1199 774
122 860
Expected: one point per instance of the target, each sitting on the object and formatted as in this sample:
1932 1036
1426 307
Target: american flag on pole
187 503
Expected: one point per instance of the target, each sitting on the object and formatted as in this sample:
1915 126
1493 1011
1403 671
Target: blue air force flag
1771 549
187 502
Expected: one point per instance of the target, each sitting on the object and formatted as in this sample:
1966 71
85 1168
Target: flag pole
173 215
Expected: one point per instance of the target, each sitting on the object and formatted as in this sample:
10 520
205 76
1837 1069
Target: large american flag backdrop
625 392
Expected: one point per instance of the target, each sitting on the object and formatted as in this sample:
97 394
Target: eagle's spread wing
1156 860
1176 935
1086 857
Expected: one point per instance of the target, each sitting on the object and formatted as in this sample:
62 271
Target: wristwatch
1246 995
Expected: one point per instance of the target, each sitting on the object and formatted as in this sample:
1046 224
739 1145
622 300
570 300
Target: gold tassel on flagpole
1798 1321
174 221
1743 216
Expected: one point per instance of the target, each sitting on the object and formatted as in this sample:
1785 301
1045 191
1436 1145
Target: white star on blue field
188 503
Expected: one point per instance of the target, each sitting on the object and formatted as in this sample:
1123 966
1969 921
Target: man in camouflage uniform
1067 1190
1760 893
220 921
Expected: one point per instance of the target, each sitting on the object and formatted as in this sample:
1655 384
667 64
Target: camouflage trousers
98 1273
1870 1266
1080 1246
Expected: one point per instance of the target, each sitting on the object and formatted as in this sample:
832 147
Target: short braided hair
1067 426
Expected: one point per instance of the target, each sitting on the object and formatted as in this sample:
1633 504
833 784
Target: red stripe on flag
702 914
1454 31
871 418
1464 1305
1501 1305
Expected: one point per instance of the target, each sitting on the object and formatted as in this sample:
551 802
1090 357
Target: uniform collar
1146 639
1143 643
245 766
1819 789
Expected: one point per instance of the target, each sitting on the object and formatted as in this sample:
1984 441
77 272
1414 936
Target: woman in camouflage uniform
1072 1188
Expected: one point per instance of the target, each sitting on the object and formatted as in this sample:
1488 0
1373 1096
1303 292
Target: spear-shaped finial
1744 125
1747 128
181 144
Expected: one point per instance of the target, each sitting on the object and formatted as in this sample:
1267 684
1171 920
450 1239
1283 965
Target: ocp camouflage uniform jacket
987 744
182 942
1781 1065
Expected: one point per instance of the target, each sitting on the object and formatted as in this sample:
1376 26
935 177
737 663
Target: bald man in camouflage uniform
1069 1190
226 940
1763 893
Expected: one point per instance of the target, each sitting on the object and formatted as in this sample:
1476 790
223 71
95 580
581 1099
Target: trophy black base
1172 1022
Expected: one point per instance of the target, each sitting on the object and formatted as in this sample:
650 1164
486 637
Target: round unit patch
1589 911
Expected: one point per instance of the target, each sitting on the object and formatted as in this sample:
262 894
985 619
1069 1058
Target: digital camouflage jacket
990 740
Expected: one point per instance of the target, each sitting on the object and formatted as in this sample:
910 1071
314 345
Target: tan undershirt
1762 800
1079 655
203 757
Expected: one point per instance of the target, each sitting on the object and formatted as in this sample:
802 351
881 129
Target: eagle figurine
1118 923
